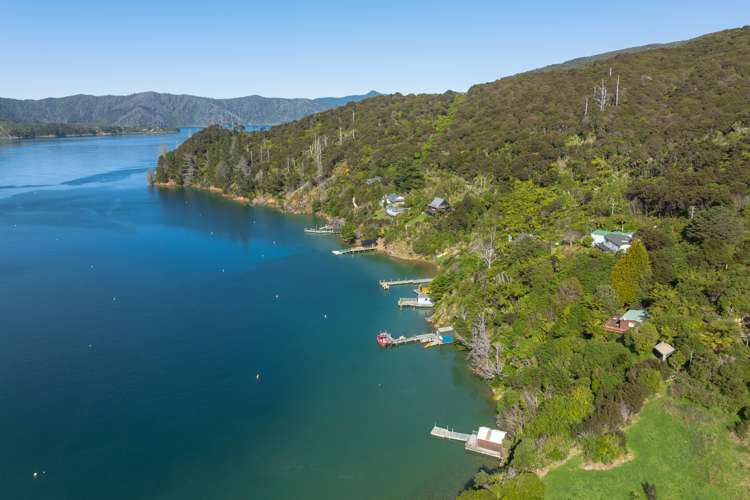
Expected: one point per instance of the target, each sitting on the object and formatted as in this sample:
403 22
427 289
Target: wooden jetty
321 230
385 339
472 442
353 250
445 433
385 285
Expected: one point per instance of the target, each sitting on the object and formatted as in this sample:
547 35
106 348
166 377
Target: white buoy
325 316
277 295
257 376
114 299
90 346
36 474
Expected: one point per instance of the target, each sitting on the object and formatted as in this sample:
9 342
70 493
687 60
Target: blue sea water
171 344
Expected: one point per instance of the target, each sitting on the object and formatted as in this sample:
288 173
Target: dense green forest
656 143
15 130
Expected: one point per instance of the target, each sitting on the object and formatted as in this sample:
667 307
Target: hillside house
621 324
373 180
394 204
611 241
436 206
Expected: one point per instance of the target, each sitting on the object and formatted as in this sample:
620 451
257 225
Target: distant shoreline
92 134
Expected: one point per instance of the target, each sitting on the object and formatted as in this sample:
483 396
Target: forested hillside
655 143
152 109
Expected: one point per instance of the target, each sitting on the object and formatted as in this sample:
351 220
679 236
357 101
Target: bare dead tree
316 152
601 96
617 92
487 250
484 356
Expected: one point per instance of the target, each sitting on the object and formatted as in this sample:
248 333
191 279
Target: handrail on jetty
321 230
445 433
352 250
385 285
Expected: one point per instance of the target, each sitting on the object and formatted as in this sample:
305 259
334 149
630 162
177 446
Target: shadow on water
195 210
210 213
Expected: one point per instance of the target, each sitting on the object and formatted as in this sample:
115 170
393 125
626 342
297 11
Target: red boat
384 339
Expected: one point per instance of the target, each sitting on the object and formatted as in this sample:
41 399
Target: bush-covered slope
531 164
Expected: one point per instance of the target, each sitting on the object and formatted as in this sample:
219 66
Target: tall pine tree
631 273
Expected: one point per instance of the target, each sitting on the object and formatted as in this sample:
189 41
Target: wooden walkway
423 338
347 251
444 433
385 285
321 230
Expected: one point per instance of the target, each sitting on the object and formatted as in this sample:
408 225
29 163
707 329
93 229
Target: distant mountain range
153 109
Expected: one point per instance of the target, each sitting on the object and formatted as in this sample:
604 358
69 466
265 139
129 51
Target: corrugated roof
635 315
491 435
437 202
664 349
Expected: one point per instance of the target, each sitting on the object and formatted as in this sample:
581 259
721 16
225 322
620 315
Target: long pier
385 285
347 251
385 339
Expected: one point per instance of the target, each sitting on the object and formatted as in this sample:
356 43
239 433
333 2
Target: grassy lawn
684 450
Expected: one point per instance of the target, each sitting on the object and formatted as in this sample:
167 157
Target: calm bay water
133 324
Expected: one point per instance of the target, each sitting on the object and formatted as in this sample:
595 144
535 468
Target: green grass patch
685 450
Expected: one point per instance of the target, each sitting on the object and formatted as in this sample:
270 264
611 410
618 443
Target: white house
393 204
611 241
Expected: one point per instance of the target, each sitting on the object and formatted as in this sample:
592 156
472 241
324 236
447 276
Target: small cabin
436 206
369 243
393 199
373 180
621 324
664 350
490 439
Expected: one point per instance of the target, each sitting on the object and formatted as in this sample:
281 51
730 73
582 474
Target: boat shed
490 439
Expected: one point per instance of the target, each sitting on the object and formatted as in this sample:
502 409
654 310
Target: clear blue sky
283 48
